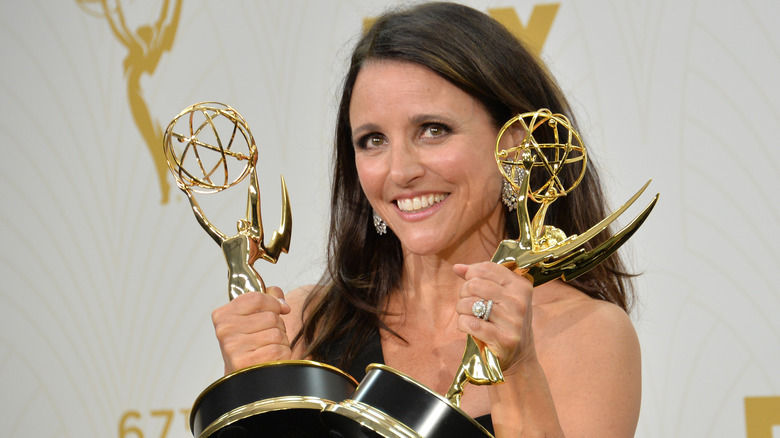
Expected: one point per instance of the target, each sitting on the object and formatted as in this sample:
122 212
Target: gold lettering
539 25
534 35
130 424
168 415
186 414
761 413
367 23
126 430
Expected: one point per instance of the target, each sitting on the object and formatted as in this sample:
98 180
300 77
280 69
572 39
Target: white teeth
419 202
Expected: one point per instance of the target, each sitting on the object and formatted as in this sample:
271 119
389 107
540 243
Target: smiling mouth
418 203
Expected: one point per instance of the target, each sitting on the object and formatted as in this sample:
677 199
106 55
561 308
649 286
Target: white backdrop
106 290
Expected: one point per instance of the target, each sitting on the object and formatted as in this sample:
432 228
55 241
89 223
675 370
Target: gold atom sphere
553 144
209 147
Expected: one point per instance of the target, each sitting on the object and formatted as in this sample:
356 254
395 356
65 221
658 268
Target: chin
425 245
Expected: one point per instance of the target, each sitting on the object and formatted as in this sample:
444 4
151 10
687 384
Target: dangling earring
508 193
379 224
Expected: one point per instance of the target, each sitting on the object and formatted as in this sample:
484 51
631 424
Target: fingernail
283 302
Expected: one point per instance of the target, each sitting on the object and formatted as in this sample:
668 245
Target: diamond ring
487 311
479 309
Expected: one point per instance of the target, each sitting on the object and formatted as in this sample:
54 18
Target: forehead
383 85
397 71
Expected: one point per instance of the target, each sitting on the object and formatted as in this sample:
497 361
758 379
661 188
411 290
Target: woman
417 212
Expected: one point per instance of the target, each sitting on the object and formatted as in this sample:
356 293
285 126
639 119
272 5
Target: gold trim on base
268 404
267 364
263 406
372 419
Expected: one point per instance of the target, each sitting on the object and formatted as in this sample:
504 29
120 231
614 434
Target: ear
513 136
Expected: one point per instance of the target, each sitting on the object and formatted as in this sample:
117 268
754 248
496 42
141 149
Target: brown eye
370 141
434 130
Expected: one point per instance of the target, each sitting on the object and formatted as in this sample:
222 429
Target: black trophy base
289 423
277 399
389 404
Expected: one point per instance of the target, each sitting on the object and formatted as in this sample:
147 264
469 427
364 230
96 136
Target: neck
431 287
429 284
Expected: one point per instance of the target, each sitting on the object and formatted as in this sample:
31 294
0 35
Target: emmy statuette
209 148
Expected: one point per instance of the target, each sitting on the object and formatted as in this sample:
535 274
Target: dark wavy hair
482 58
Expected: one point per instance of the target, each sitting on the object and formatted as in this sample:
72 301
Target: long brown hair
478 55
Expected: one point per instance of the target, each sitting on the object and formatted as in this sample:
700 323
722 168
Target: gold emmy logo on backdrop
534 34
145 47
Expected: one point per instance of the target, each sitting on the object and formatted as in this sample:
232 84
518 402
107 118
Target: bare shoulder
603 336
296 298
569 313
293 321
590 353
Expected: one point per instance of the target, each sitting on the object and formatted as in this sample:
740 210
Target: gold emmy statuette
541 252
209 148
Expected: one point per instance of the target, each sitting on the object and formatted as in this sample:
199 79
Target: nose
405 164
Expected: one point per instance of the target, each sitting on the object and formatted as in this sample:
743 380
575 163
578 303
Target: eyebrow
364 128
420 118
415 119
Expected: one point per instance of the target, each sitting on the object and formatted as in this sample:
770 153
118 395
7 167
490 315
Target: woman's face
424 156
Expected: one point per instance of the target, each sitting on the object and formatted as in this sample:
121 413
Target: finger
482 289
505 341
253 302
266 353
238 342
255 323
269 353
465 307
262 338
243 349
488 332
460 270
488 271
279 295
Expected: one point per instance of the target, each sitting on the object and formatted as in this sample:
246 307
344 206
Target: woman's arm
572 370
590 384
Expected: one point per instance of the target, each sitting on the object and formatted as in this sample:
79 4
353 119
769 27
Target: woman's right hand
250 329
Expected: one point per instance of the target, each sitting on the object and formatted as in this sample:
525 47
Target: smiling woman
427 90
423 152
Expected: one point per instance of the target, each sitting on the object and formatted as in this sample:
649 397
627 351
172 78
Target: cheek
481 169
370 176
490 182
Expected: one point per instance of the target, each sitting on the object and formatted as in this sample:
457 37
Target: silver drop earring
379 224
508 193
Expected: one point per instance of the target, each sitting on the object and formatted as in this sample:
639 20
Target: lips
419 203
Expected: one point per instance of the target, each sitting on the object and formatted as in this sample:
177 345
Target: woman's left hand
508 330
